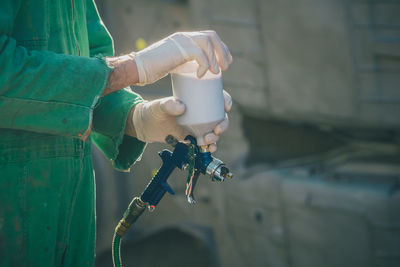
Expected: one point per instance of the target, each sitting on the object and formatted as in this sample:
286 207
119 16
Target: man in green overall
60 89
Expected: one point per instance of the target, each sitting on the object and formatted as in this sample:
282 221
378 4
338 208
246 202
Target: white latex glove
155 120
159 59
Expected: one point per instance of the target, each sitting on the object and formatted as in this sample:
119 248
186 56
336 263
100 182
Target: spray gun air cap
203 98
218 171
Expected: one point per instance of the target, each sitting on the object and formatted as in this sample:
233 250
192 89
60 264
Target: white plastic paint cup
203 99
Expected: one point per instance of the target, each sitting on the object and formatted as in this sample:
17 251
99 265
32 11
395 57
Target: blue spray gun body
186 155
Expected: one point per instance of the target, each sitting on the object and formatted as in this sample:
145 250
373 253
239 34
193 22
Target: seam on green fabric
42 101
34 104
104 62
106 73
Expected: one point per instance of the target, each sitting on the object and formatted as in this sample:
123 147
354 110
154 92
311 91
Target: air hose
116 253
132 213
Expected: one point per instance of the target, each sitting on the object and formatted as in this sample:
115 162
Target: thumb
172 106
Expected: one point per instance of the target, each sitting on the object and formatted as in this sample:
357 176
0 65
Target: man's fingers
172 106
223 54
227 101
212 148
203 62
211 138
222 126
208 47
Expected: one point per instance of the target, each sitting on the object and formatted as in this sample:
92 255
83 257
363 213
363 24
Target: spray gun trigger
168 188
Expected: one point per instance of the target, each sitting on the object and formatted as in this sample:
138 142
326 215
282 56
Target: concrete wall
313 140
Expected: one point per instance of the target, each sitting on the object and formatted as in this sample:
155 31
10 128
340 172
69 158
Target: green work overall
51 77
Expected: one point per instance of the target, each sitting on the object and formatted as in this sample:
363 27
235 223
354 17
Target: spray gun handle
157 187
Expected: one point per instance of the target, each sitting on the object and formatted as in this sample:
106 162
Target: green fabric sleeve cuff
109 121
130 151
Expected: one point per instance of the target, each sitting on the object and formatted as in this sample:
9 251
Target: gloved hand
155 120
159 59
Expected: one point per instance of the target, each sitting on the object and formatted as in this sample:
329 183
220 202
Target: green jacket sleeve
42 91
111 113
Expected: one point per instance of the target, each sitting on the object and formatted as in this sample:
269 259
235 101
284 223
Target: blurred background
314 138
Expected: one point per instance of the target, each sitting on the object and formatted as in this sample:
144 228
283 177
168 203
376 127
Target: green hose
132 213
116 253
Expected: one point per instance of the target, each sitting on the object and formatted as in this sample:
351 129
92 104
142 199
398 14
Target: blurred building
314 138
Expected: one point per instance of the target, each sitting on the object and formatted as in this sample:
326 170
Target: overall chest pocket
31 27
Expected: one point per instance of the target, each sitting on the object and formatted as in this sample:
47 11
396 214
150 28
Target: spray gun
204 103
186 155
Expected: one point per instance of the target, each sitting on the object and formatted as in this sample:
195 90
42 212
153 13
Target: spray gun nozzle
229 175
218 171
226 173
